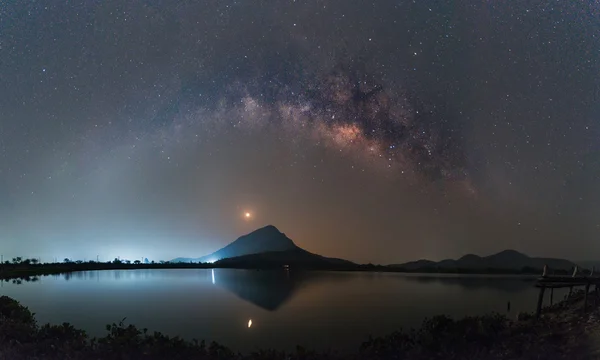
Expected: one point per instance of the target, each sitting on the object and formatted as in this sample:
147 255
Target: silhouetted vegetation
526 270
20 267
482 337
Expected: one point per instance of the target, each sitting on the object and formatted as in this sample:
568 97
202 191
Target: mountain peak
267 229
265 233
509 253
470 257
265 239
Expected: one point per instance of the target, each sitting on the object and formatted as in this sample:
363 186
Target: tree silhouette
137 262
66 260
34 261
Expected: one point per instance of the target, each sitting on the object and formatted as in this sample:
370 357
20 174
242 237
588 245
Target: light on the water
213 275
250 323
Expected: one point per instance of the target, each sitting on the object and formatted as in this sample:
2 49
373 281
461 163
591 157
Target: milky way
348 111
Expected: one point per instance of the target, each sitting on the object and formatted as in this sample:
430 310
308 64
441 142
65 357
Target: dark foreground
563 332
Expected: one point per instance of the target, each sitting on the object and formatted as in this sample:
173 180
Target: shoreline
564 331
14 271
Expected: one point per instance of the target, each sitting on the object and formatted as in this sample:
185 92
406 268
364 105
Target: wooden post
570 291
587 289
540 302
551 296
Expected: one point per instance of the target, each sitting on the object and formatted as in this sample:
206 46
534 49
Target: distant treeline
31 267
20 267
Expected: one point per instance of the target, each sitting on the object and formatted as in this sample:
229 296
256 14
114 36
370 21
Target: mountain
268 238
506 260
265 247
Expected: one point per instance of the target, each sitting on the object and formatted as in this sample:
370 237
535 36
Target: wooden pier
555 282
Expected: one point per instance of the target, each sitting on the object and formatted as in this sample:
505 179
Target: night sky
378 132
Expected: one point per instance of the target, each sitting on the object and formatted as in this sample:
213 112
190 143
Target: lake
318 310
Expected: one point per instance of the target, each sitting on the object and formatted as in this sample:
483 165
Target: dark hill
265 239
297 258
266 247
506 260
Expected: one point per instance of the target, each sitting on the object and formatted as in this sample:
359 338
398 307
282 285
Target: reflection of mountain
508 284
267 289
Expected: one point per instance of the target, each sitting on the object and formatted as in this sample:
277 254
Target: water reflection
319 310
511 284
269 289
21 280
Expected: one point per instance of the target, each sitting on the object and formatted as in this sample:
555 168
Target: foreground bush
482 337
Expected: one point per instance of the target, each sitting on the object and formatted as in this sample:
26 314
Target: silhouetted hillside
296 258
504 260
265 247
268 238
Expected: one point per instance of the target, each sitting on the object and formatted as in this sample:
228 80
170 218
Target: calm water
317 310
